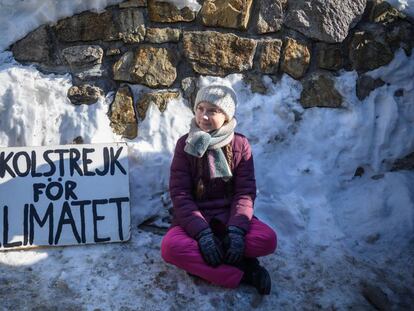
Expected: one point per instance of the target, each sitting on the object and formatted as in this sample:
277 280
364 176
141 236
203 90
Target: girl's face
209 117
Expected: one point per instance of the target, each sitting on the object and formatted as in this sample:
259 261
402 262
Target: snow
405 6
19 17
35 110
191 4
335 229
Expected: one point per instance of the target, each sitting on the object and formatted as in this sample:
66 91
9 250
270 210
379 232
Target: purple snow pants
182 251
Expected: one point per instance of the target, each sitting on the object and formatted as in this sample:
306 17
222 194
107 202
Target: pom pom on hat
219 95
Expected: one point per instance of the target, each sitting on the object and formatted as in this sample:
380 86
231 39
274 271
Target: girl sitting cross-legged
214 234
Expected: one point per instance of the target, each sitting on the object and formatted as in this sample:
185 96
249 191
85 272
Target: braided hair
200 188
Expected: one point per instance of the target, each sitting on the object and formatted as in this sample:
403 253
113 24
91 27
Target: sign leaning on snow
64 195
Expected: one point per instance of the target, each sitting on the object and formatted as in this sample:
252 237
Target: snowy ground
337 233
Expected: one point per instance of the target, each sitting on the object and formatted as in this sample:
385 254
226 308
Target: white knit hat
220 96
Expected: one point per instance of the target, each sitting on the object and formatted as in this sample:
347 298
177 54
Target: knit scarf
198 142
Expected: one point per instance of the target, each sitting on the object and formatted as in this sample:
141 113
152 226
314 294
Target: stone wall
165 47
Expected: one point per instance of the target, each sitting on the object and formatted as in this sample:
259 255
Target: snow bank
35 110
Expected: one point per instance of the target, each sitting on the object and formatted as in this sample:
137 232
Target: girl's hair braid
228 152
199 193
200 188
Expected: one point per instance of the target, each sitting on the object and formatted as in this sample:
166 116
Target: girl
214 234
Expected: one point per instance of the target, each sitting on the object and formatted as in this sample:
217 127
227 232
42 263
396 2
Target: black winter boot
256 275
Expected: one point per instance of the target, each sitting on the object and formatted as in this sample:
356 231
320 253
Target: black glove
209 247
235 250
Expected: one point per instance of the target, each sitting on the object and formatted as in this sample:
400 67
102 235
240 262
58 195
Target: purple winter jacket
231 202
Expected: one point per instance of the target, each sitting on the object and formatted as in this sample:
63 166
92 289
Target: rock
189 87
329 56
382 12
91 73
122 115
113 51
406 163
399 93
256 83
84 94
367 52
401 34
166 12
324 20
359 171
123 69
154 67
214 53
133 4
160 99
377 177
319 91
373 238
78 140
86 26
270 18
228 14
126 24
83 55
375 296
35 47
161 35
365 85
269 55
295 58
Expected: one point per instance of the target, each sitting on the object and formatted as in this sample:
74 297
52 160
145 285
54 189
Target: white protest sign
64 195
